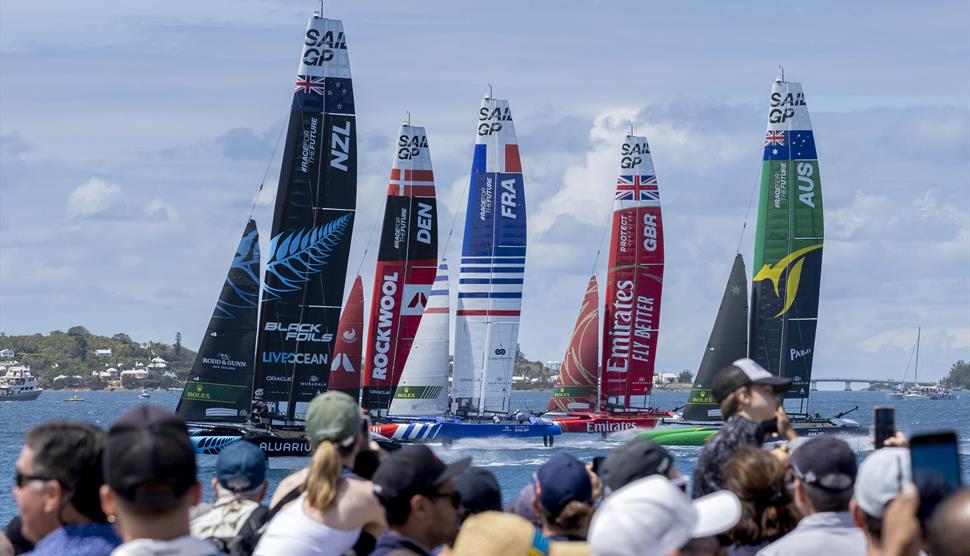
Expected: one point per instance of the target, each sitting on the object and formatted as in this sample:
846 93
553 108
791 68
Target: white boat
144 395
17 384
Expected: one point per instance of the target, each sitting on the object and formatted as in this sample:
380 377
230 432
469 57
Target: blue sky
134 136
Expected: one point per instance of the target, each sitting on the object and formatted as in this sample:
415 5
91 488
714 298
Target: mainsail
634 280
423 388
406 263
788 243
492 267
312 225
728 343
575 390
218 388
345 366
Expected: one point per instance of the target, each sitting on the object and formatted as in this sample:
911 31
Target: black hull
210 439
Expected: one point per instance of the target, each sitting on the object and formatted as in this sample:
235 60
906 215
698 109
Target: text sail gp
406 263
313 219
492 267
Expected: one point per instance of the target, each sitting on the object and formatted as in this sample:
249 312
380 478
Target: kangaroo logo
774 272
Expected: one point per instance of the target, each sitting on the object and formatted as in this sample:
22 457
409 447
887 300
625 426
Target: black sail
312 224
728 343
218 388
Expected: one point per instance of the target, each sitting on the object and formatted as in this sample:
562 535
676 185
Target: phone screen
884 423
936 468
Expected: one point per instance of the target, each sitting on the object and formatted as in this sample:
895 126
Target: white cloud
160 210
93 197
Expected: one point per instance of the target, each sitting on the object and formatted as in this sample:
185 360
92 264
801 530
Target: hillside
74 353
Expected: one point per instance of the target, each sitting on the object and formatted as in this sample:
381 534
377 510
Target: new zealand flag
335 95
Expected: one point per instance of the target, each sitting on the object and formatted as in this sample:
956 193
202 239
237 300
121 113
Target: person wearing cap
768 511
150 484
748 398
824 472
880 479
420 501
653 516
58 477
334 510
563 498
637 459
479 491
501 534
239 488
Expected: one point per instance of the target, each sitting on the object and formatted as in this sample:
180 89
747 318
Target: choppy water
512 461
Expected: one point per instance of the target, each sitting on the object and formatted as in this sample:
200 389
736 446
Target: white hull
20 396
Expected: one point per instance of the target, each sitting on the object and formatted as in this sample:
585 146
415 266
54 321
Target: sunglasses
455 497
22 479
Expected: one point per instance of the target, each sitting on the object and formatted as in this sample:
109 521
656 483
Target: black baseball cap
825 462
479 490
149 460
634 460
561 480
744 372
413 470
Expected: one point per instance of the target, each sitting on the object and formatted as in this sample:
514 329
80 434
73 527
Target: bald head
947 531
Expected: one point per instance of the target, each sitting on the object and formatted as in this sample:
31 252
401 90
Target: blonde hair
321 481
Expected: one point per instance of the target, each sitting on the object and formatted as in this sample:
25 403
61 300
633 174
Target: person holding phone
881 478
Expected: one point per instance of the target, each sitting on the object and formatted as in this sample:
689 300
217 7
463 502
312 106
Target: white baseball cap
653 516
881 476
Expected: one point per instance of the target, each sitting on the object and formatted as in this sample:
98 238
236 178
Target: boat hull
602 423
696 433
21 396
210 440
448 431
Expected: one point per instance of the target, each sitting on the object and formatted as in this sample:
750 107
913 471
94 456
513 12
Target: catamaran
613 394
260 361
785 285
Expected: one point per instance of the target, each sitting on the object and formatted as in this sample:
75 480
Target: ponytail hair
321 482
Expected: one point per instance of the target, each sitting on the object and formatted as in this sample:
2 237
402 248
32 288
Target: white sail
492 267
423 388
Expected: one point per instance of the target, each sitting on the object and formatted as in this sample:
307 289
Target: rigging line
377 219
269 163
607 223
747 214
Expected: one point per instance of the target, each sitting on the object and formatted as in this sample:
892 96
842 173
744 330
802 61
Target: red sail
576 388
407 261
345 366
634 279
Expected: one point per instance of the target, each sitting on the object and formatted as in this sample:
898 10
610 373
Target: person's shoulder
290 482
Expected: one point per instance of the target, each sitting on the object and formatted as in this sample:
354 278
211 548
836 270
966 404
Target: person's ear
856 514
743 394
53 493
215 486
419 505
196 493
108 505
263 491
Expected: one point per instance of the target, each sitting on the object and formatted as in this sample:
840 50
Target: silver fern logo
296 256
241 282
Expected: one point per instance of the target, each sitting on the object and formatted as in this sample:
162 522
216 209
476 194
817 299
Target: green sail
788 243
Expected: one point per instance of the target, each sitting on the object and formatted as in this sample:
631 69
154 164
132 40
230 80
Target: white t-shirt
181 546
294 533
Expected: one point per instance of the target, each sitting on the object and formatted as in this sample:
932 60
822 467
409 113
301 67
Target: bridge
849 381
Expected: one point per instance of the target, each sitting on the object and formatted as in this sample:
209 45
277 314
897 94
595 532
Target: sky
134 138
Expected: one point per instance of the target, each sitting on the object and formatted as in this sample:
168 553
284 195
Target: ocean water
512 461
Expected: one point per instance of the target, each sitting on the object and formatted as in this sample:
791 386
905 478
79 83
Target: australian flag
325 94
802 145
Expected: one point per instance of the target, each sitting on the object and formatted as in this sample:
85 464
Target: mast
788 243
219 386
634 279
728 343
492 266
405 268
919 330
312 227
576 387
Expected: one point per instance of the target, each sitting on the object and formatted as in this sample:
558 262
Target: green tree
685 377
178 344
959 375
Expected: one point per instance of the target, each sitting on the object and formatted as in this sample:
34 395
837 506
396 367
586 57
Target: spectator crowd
135 491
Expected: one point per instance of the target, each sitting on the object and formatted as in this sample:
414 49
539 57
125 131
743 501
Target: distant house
103 352
137 374
169 374
6 354
59 378
110 374
158 363
664 378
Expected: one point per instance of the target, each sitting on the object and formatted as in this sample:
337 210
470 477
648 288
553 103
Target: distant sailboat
576 388
347 352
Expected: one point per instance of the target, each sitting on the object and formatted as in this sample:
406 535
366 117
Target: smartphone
884 423
936 468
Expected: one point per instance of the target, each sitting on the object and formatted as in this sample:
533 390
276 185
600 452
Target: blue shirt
86 539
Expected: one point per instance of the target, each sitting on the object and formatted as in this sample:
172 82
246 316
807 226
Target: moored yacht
17 384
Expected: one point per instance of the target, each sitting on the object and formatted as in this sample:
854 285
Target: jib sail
728 343
575 390
423 388
788 243
219 385
492 267
406 263
345 366
312 225
634 281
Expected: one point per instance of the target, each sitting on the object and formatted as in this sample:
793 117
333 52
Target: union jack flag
637 188
309 84
775 139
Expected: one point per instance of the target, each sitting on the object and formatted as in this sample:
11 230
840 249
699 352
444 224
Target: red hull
598 423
